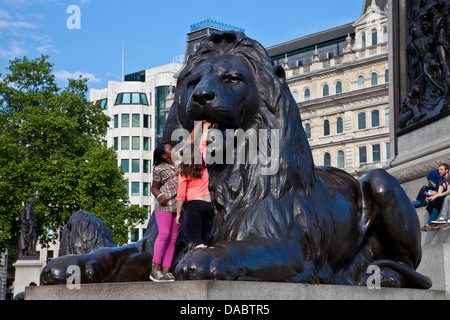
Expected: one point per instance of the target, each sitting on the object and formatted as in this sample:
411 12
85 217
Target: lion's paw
204 264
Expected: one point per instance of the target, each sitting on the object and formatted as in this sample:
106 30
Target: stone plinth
224 290
27 271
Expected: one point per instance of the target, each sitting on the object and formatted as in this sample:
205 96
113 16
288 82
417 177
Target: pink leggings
167 238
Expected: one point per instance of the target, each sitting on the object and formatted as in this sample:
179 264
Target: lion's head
232 82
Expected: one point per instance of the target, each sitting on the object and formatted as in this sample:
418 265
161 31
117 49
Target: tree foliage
51 149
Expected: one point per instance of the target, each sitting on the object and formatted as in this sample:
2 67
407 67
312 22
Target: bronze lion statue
301 223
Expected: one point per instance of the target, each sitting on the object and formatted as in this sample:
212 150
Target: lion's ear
279 71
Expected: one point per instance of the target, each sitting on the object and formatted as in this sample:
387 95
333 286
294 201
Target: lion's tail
412 277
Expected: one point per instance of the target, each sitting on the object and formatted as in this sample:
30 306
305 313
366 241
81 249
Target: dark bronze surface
301 224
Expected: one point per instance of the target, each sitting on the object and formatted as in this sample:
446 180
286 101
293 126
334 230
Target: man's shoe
441 221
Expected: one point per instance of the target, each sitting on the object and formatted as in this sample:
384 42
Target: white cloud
5 24
64 75
13 50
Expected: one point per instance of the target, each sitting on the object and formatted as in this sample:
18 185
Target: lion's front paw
204 264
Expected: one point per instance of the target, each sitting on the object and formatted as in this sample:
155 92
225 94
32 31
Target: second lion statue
302 223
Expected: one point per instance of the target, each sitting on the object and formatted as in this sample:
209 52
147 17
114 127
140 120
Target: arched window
338 87
361 121
308 131
326 90
375 118
327 159
360 82
341 159
374 37
307 95
339 125
295 95
374 79
326 128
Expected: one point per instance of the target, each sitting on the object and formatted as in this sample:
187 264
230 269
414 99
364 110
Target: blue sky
154 32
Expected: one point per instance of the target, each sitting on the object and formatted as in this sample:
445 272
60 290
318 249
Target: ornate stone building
339 78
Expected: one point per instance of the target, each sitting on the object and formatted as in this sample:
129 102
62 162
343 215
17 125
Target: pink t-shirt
193 188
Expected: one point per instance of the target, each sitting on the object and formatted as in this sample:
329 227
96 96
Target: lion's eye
233 79
193 82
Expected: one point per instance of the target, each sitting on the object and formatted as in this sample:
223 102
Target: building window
131 98
116 121
375 118
339 125
386 116
363 40
386 76
146 143
136 120
116 143
374 37
125 143
135 235
127 188
385 34
338 87
307 95
103 103
376 154
341 159
326 90
362 155
330 54
145 191
135 165
308 131
125 120
146 121
300 63
374 79
136 143
361 121
388 151
327 159
360 82
295 95
326 128
125 164
146 166
135 188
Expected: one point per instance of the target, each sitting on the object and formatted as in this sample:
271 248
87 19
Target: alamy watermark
374 281
263 148
74 280
74 20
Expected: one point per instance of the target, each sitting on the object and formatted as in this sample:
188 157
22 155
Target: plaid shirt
168 177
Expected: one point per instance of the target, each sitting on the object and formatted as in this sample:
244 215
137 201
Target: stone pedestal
224 290
27 271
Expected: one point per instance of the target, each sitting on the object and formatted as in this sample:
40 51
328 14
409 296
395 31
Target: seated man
435 201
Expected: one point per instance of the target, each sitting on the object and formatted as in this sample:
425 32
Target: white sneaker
441 221
157 276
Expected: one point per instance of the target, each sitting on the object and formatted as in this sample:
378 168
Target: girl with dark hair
193 187
164 188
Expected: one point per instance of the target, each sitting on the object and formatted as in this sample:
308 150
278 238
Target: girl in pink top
193 187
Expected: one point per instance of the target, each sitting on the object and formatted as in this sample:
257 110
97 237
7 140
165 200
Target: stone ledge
224 290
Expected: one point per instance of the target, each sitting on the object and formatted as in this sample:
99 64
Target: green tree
51 149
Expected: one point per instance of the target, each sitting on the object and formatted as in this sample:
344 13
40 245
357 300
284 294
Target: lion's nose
203 96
